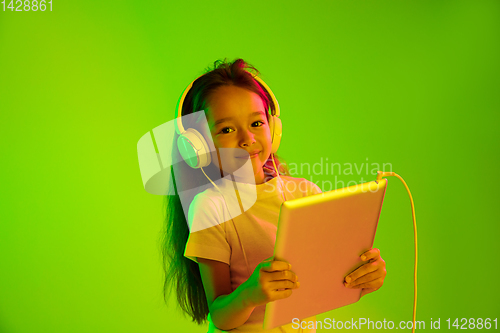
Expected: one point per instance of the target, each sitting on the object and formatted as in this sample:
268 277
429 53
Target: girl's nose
248 139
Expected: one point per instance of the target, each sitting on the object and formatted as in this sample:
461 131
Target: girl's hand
270 281
370 276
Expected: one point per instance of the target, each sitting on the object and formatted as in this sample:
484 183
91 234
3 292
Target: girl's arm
270 281
229 309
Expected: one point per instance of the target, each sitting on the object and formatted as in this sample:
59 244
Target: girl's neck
263 178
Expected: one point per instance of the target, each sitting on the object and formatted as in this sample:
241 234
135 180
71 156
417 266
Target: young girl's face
237 119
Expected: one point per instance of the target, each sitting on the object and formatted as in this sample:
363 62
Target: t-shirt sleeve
207 237
310 188
314 189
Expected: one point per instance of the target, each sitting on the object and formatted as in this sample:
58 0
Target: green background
410 83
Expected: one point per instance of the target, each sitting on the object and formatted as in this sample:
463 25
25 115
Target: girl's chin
242 168
242 174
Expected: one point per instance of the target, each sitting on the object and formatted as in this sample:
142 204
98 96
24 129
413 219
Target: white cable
234 225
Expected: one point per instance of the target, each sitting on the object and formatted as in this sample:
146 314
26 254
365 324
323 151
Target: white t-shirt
256 227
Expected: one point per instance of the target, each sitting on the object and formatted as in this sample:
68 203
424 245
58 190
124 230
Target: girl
223 272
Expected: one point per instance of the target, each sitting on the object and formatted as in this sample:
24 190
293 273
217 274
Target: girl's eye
226 128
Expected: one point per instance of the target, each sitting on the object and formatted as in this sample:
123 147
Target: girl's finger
280 294
371 254
363 270
277 285
283 275
377 283
272 266
379 273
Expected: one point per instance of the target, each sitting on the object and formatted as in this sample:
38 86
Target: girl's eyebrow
229 118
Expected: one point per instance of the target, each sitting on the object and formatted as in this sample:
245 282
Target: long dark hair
181 273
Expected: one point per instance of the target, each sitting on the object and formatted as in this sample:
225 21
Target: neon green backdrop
413 83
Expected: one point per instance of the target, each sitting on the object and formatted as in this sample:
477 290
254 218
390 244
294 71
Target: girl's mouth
249 156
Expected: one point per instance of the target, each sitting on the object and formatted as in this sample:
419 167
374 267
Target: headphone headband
178 110
273 98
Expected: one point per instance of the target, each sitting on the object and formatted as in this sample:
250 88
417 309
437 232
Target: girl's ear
194 149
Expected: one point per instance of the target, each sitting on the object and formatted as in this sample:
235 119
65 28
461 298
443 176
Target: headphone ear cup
276 131
194 149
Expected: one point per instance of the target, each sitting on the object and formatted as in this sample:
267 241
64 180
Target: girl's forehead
231 101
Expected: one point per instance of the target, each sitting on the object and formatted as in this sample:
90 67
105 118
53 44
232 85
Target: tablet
322 237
